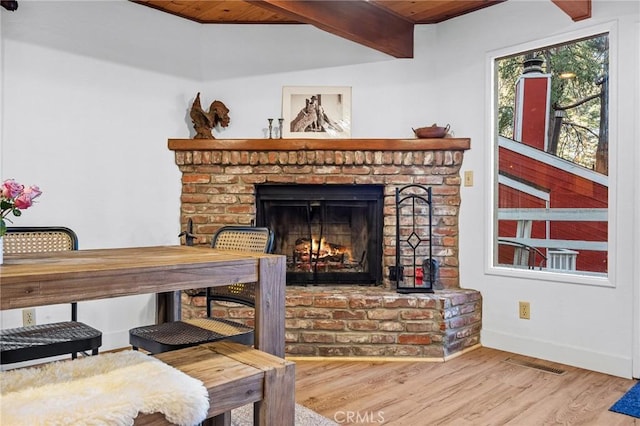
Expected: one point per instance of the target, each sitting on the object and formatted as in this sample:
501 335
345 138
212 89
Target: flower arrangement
14 198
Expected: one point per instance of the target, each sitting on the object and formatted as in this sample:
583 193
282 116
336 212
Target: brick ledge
355 321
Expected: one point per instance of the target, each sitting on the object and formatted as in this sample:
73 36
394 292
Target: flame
327 249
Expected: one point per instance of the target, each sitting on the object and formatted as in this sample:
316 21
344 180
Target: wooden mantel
449 144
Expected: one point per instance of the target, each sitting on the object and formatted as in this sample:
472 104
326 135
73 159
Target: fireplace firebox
330 234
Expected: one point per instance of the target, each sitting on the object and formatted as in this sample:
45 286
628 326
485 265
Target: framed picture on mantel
316 112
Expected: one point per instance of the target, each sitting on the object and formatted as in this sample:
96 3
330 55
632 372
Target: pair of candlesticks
280 121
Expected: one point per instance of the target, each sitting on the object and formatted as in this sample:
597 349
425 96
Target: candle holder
280 121
270 128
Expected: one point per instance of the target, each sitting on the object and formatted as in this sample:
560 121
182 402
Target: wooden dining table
30 280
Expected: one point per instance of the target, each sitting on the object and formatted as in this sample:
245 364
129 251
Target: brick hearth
218 188
369 321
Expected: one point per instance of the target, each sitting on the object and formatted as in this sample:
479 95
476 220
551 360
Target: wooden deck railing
555 215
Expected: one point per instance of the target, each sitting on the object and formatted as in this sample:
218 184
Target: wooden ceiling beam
359 21
576 9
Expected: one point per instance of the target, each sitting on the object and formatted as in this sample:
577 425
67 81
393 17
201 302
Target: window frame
604 280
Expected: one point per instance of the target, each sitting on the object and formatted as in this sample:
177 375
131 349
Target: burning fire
323 249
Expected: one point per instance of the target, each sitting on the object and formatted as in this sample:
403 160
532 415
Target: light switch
468 178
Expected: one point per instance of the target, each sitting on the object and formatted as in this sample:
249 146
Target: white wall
588 326
91 92
636 235
89 97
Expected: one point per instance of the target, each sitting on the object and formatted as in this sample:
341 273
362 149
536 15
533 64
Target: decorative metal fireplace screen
331 234
415 270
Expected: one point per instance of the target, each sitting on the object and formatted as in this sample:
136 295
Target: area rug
243 416
629 404
110 389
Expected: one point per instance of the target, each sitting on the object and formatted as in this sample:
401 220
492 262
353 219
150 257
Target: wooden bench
236 375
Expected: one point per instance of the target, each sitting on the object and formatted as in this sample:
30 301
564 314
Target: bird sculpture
9 4
204 121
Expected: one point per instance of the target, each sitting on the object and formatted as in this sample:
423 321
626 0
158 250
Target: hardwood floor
477 388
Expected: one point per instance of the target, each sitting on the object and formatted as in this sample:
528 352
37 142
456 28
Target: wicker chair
181 334
45 340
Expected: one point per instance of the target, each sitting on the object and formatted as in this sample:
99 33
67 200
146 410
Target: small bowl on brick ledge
433 131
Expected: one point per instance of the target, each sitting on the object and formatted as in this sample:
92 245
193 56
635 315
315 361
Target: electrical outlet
28 317
468 178
525 310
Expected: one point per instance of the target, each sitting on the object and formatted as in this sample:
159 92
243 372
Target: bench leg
278 404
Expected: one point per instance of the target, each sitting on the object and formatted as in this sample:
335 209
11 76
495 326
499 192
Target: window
552 149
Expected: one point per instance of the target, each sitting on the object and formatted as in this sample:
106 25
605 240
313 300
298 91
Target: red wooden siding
566 190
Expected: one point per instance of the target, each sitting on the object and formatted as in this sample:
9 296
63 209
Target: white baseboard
616 365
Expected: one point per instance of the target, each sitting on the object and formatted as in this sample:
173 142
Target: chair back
243 238
39 239
239 238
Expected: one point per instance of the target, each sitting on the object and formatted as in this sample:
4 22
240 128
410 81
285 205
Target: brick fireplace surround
218 188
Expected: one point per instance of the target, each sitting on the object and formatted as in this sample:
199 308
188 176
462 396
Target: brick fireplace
219 179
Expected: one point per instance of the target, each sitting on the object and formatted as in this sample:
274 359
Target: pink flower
11 189
33 191
13 197
25 200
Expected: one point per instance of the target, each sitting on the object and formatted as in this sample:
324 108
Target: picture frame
318 112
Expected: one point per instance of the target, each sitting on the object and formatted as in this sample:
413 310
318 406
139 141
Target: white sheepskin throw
108 389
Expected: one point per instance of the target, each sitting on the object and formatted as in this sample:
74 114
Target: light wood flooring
476 388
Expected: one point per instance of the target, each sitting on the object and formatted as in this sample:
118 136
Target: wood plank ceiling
384 25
